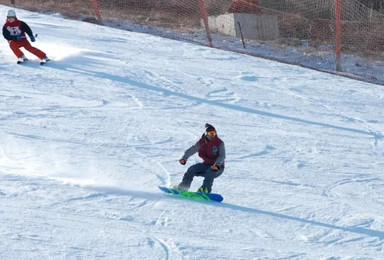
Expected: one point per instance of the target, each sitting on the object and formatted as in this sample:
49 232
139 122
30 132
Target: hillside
86 140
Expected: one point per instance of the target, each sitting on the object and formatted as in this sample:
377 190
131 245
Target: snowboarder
14 31
211 150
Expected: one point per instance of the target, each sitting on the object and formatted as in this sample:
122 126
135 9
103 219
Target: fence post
204 15
95 4
338 34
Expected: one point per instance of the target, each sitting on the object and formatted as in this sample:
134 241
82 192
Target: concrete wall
253 26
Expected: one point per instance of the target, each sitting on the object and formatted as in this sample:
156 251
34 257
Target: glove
19 36
32 38
215 167
182 161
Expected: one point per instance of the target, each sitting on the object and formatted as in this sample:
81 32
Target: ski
193 195
41 62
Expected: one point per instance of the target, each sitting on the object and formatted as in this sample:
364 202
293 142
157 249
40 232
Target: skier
211 149
14 31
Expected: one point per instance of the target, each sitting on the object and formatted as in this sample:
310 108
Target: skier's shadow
357 230
157 195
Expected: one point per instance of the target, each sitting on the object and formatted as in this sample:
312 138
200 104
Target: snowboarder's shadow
357 230
156 195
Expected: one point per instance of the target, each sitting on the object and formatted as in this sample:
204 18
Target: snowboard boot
203 190
181 186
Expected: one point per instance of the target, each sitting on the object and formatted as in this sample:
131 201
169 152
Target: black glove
32 38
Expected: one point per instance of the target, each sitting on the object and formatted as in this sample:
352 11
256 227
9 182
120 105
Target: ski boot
44 60
21 59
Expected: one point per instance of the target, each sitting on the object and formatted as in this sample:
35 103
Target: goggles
210 133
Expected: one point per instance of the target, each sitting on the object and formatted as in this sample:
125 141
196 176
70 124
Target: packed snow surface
86 139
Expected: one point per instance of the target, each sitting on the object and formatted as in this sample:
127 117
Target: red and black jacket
13 31
211 152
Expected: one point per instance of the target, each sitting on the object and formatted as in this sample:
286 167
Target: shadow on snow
92 58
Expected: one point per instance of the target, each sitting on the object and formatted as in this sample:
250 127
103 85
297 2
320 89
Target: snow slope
86 140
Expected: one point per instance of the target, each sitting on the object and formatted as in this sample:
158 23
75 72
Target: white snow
86 140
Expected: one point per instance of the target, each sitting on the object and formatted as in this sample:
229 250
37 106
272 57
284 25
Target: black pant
203 170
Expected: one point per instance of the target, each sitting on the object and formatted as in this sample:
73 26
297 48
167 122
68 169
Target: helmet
11 13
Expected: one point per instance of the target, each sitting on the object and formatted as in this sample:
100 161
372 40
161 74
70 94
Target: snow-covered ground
306 54
86 140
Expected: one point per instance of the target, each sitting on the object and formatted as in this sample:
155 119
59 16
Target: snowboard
193 195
